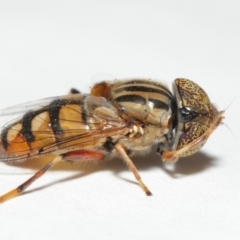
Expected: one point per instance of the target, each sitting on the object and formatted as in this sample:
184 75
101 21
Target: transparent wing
32 105
82 121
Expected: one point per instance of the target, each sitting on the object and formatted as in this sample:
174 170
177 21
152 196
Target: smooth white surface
46 47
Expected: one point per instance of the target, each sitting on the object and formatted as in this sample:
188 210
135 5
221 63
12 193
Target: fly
119 118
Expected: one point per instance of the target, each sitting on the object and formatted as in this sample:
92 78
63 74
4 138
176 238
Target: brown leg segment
17 191
121 151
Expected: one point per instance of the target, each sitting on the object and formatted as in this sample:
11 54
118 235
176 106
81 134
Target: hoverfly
119 118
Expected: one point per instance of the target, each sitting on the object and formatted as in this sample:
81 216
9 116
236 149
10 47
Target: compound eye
194 116
186 115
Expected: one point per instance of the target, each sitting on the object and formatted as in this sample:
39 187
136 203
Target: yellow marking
40 121
70 119
17 143
13 132
72 123
42 131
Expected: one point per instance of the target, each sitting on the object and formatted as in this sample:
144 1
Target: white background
47 47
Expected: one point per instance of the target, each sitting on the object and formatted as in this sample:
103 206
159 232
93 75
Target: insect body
118 118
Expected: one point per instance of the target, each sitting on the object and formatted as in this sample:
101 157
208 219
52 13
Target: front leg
122 152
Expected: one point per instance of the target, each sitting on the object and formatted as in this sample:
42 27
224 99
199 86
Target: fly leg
17 191
122 152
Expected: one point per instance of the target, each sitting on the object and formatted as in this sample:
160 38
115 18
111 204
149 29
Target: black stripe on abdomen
27 126
53 111
4 139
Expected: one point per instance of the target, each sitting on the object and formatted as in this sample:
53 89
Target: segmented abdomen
56 126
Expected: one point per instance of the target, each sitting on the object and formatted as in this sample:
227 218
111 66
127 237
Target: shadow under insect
185 166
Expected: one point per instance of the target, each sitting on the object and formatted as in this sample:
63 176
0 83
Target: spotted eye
195 116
